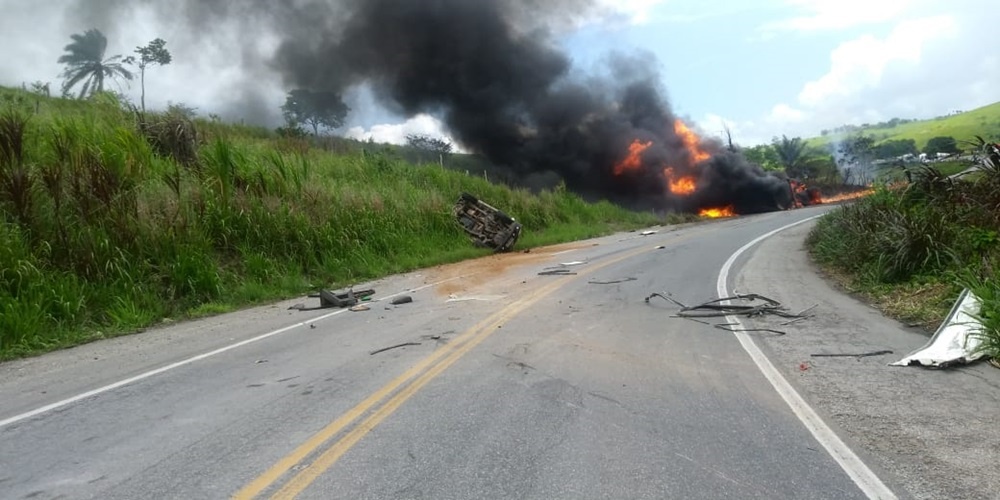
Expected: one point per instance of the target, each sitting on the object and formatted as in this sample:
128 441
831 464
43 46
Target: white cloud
783 113
395 133
839 14
632 11
922 68
859 64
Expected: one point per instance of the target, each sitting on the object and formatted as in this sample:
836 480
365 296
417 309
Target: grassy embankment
103 231
910 250
964 127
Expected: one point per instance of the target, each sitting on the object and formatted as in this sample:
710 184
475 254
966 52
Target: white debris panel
956 341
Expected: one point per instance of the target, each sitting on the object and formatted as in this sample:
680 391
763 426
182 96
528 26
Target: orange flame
715 213
690 142
683 186
633 161
847 196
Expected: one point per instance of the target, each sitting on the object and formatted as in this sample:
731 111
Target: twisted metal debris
717 308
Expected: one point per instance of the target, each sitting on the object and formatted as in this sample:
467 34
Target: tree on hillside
85 62
819 165
315 109
894 148
764 156
154 52
791 154
429 144
941 144
856 155
858 148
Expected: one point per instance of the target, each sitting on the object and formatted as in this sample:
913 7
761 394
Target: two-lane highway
522 386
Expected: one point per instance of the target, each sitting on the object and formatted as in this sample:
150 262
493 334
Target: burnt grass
910 249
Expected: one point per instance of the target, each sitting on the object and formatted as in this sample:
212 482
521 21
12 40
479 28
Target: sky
762 68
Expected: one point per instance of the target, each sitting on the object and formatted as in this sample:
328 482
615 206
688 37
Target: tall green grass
109 225
935 230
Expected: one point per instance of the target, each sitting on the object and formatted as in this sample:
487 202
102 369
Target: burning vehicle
486 225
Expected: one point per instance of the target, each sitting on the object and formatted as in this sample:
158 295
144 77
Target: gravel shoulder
933 432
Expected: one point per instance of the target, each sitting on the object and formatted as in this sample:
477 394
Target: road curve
518 385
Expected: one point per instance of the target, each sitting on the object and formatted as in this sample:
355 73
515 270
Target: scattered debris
729 328
647 233
259 361
574 263
659 247
328 299
851 355
402 299
796 320
955 342
486 225
759 305
360 307
556 272
810 308
716 308
612 282
803 366
695 320
404 344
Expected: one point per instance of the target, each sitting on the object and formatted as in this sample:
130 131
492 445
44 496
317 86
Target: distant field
984 121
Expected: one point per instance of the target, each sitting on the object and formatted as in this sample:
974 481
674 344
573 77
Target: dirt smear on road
470 274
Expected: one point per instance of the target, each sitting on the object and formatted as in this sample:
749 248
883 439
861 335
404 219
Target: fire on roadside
847 196
715 213
681 179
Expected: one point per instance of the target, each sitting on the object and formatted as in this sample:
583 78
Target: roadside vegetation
911 247
859 155
112 220
960 126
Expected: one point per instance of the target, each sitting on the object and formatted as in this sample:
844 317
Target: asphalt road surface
520 386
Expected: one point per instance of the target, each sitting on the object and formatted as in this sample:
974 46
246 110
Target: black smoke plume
493 71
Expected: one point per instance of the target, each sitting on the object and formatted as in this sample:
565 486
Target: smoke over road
493 71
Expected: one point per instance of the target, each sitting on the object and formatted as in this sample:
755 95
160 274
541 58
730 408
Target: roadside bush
171 134
937 229
986 287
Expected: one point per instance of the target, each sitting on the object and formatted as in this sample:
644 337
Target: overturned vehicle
486 225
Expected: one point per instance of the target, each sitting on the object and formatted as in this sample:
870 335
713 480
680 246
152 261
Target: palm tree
791 154
85 62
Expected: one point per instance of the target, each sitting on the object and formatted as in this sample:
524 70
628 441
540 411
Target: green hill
984 121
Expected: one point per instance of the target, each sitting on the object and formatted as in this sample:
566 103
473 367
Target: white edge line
178 364
855 468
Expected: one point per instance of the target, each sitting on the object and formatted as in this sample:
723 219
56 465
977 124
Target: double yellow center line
401 388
